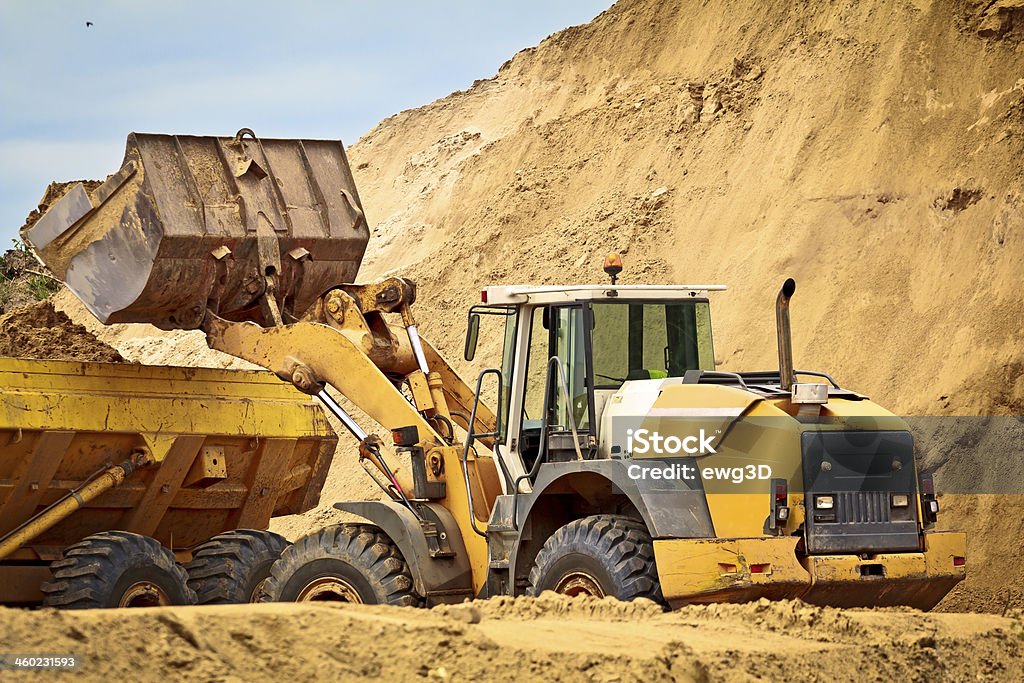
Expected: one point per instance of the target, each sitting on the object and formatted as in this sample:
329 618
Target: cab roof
544 294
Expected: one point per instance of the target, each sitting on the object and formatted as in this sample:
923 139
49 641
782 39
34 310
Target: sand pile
148 344
546 638
39 331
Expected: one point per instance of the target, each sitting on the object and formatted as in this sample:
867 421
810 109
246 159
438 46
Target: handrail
815 373
719 373
471 436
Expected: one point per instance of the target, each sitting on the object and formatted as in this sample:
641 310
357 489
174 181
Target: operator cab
568 350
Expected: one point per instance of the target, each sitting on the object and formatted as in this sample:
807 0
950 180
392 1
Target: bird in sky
88 24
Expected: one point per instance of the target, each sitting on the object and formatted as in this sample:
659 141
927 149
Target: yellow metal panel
457 502
102 397
715 570
918 579
940 549
740 569
748 431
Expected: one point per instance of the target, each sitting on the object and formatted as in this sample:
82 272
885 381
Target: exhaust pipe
785 340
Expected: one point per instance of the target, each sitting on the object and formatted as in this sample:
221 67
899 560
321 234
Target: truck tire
602 555
116 569
232 567
344 563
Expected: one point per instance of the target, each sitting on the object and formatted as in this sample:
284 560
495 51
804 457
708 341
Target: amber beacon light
613 266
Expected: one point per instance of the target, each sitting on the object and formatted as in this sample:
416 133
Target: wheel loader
614 458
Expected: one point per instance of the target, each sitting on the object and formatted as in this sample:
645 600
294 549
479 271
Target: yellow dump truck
120 471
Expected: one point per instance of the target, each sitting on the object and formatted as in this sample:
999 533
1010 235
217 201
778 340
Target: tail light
929 506
780 504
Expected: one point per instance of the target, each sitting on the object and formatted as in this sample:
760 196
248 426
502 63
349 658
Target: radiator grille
862 506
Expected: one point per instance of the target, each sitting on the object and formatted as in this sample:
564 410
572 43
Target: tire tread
622 544
364 547
89 569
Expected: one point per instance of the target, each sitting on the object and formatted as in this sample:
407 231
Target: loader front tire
344 563
232 567
117 569
601 555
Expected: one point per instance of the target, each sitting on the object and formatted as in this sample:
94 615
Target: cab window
636 340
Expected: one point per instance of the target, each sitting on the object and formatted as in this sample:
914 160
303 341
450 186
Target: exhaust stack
784 338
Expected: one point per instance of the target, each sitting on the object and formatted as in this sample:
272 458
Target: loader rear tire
117 569
232 567
601 555
344 563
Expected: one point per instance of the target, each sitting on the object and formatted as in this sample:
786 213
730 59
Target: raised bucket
189 223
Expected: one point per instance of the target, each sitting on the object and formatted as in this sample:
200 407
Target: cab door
554 404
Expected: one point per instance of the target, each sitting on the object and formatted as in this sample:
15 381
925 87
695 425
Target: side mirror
472 332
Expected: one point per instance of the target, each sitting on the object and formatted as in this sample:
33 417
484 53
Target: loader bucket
190 223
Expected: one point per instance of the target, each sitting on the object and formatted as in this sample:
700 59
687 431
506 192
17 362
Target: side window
536 368
507 363
570 346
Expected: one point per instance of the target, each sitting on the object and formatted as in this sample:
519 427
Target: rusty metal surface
189 223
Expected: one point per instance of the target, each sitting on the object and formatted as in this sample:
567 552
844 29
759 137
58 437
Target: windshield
638 340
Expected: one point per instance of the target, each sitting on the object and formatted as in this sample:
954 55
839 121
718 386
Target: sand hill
869 150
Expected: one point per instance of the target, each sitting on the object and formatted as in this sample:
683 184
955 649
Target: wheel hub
578 583
329 589
144 594
257 591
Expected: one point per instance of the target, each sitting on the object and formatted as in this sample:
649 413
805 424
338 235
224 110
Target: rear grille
860 470
862 507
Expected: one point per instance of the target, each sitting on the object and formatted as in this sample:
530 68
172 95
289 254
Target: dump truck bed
232 448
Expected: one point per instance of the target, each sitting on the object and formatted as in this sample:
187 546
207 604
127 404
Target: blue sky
69 95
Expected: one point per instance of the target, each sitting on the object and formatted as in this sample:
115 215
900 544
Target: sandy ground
548 638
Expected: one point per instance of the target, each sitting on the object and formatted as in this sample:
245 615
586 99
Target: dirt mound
549 639
550 604
22 279
40 331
